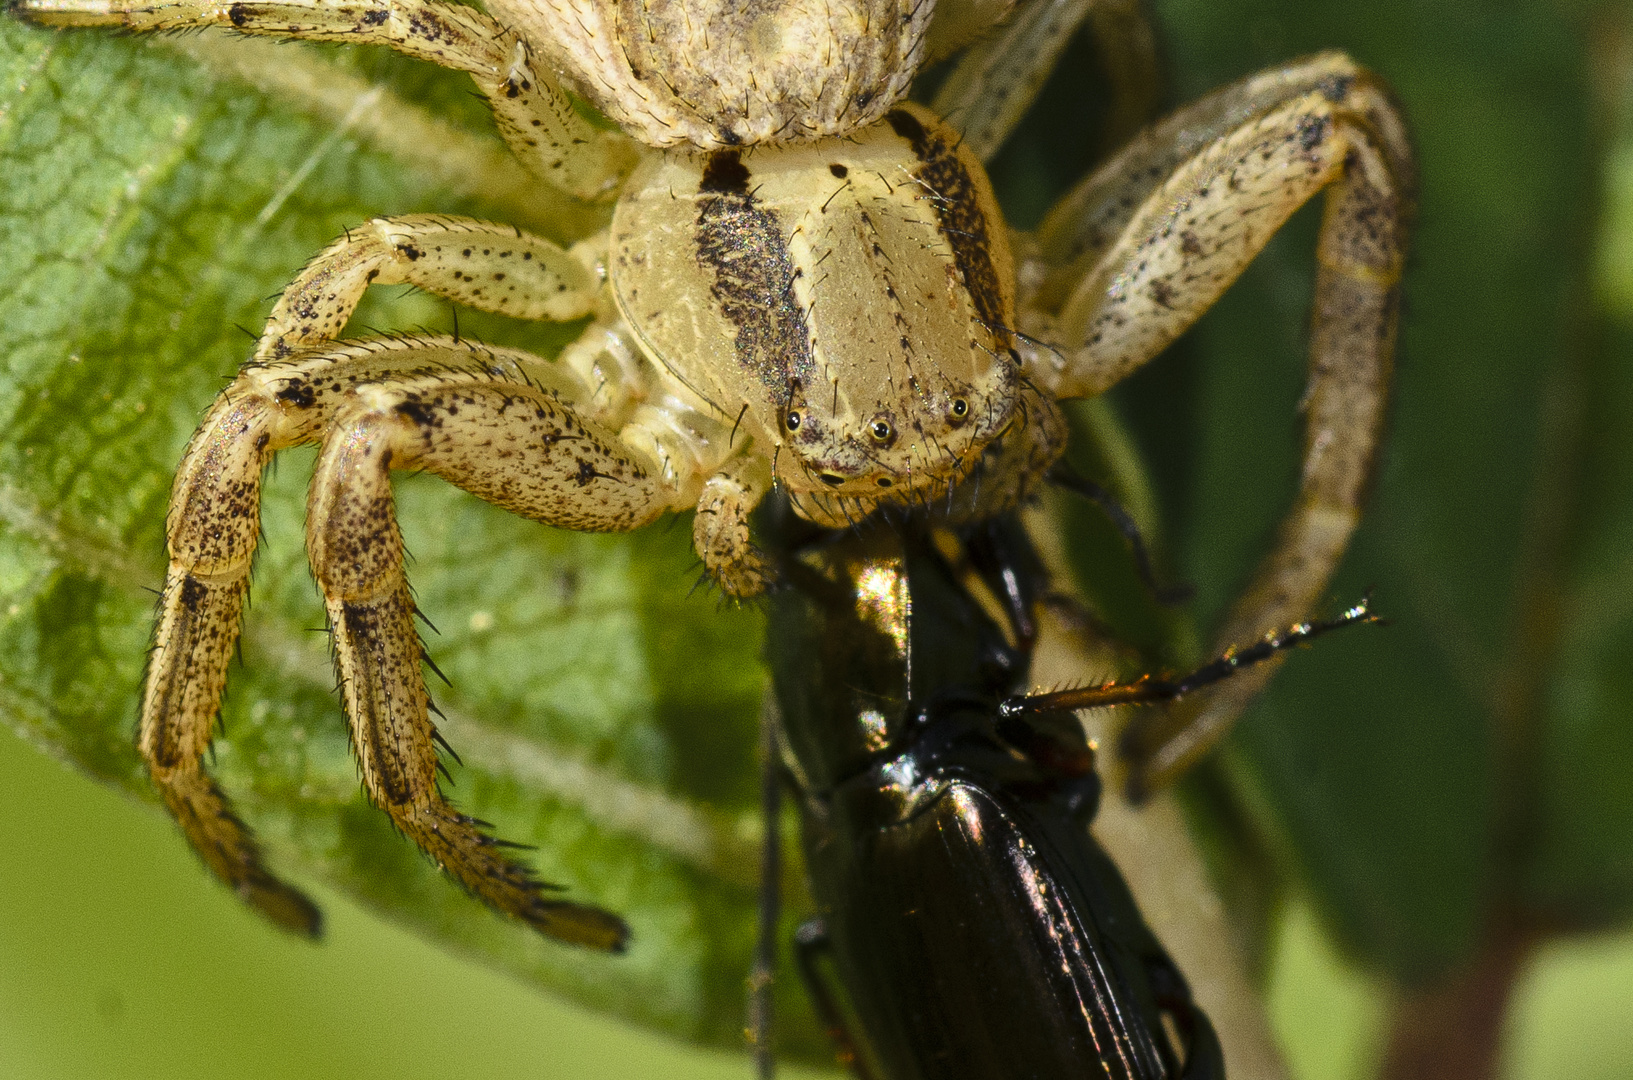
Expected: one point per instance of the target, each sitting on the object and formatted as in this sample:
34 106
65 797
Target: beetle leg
1010 569
1331 127
535 116
1064 476
811 944
761 1000
1204 1058
995 81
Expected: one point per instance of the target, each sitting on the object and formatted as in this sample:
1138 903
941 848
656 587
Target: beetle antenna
1149 688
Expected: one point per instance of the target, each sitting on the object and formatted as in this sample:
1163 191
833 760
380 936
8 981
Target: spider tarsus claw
577 924
285 906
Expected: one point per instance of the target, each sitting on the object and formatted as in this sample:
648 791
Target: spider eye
960 408
882 431
792 421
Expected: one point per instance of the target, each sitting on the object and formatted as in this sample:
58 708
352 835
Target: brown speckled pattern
860 333
465 411
1186 229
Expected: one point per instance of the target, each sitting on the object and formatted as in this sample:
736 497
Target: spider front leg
535 116
1271 144
214 517
492 267
490 420
514 445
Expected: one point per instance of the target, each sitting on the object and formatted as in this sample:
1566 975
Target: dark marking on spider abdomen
743 243
963 223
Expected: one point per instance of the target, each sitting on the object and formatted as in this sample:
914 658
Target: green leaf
1415 774
1472 755
150 207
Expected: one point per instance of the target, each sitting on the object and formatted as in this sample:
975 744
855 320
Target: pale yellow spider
806 283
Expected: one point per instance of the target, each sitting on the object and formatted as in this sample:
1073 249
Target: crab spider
806 282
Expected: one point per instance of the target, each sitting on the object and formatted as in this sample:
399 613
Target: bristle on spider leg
425 658
436 736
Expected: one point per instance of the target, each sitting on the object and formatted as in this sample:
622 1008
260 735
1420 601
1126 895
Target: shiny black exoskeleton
969 927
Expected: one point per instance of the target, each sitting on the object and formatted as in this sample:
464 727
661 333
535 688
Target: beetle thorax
846 303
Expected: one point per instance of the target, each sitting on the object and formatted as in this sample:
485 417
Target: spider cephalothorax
805 281
852 300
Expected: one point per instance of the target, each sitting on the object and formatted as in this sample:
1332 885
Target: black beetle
969 925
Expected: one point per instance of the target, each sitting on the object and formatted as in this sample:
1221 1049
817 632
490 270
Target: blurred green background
118 959
1411 825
